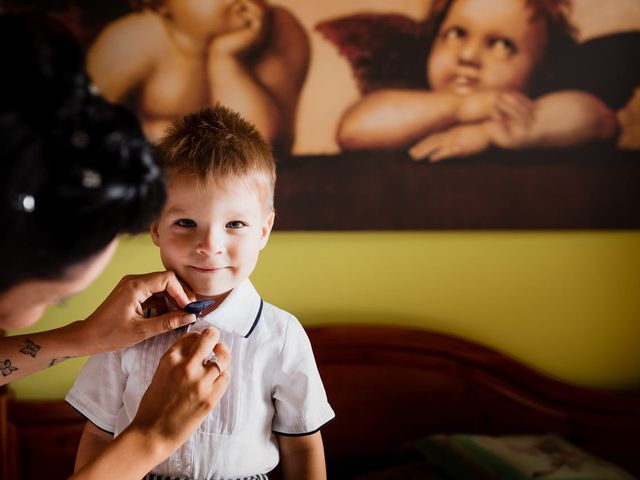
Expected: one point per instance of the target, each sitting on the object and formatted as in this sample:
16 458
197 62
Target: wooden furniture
389 386
6 454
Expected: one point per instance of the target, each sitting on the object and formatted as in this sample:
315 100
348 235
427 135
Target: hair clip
91 179
93 89
27 202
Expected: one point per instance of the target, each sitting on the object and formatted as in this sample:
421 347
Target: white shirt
275 389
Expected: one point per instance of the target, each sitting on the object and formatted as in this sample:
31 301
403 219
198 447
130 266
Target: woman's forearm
131 455
116 323
22 355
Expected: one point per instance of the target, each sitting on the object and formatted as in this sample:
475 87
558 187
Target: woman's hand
184 388
119 322
183 391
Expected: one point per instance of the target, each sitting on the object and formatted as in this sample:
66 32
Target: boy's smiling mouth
208 269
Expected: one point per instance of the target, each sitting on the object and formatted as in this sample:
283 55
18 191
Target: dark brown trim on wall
594 187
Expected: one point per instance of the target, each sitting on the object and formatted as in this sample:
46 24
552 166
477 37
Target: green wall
566 302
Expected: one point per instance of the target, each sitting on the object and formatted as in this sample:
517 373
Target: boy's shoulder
279 322
276 315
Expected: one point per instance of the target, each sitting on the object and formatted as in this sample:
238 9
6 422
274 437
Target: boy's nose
210 243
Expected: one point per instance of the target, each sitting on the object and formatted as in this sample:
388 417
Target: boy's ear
266 229
155 236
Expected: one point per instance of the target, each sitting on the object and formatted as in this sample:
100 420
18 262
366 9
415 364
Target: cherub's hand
509 134
461 141
496 105
248 21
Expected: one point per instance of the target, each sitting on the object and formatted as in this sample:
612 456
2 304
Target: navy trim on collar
255 322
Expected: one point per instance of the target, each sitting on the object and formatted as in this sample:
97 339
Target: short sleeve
300 400
97 392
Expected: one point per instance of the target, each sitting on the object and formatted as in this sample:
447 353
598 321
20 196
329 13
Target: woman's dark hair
76 170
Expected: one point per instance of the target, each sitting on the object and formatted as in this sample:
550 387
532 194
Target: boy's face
486 44
210 234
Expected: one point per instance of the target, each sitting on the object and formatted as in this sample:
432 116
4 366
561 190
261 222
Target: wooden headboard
388 386
391 385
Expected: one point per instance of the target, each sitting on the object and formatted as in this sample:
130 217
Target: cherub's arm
258 69
92 443
398 118
303 457
122 56
395 118
560 119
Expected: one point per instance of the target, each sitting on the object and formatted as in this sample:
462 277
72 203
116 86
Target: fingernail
188 319
210 331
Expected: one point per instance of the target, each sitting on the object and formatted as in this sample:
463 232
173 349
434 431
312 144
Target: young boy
217 218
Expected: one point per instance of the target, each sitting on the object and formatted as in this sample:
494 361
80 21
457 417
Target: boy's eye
186 223
503 47
235 224
454 33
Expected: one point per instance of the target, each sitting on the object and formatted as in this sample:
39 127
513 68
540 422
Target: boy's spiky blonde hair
217 144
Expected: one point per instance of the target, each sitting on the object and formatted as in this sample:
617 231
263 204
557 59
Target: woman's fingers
184 390
202 350
163 323
221 364
144 286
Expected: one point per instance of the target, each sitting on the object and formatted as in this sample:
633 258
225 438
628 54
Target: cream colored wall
565 302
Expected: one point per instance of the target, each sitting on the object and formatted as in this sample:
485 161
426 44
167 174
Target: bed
389 387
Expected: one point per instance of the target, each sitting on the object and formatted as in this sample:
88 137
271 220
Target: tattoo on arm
56 361
7 368
30 348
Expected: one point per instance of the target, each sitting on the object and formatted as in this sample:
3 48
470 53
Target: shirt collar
239 312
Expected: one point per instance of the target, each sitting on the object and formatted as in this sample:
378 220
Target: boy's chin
206 294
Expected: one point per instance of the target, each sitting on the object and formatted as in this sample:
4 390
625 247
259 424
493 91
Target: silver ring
212 358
